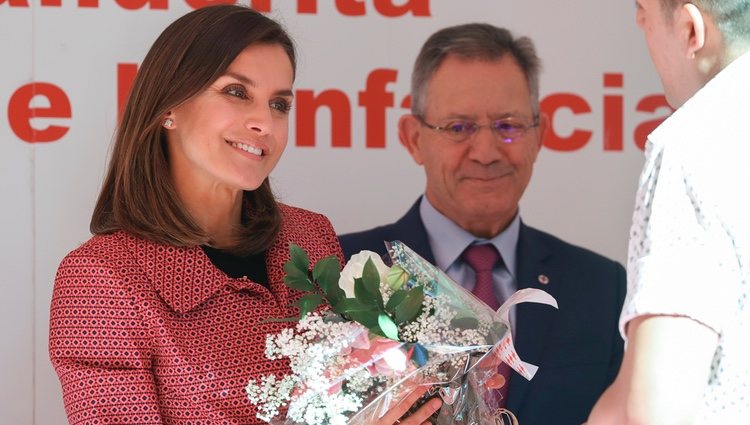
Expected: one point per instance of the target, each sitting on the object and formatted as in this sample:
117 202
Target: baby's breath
327 385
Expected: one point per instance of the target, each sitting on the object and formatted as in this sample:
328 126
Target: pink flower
381 356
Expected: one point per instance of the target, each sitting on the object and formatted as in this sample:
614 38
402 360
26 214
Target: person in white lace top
686 319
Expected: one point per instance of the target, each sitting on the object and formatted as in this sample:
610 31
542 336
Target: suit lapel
533 266
410 230
532 320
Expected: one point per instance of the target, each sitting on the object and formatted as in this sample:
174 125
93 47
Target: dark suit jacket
577 347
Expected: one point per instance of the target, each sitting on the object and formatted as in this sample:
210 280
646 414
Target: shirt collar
448 240
725 88
184 277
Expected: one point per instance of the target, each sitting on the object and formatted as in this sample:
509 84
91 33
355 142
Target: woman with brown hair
160 316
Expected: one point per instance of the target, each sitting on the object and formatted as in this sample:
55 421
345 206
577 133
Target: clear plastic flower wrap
386 332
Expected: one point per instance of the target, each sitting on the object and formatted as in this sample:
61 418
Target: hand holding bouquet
370 335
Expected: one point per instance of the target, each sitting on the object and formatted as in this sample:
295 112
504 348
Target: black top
252 266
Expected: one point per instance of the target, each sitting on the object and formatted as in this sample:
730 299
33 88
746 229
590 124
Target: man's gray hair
473 41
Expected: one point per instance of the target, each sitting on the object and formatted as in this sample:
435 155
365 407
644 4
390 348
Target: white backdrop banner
67 66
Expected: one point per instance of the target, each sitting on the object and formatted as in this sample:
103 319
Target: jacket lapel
533 267
532 320
411 231
182 276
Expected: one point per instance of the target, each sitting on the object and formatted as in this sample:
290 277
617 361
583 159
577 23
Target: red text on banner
21 113
375 100
387 8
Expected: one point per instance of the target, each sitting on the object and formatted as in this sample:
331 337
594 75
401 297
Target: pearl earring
168 123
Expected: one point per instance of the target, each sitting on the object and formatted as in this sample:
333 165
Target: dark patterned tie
484 258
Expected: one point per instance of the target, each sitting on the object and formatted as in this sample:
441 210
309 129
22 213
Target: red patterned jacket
142 333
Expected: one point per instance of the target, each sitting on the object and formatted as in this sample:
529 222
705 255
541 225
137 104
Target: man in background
476 128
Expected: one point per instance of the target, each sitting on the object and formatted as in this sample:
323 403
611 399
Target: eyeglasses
508 129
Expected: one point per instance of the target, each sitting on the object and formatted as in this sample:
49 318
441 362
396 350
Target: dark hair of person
137 195
473 41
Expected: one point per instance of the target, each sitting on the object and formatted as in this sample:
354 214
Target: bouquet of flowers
369 335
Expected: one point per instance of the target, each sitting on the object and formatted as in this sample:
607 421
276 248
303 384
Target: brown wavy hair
137 195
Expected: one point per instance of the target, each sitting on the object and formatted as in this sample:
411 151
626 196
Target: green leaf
297 279
299 257
297 276
346 305
377 331
364 296
370 284
410 308
390 330
367 315
326 274
395 299
396 277
368 318
308 303
370 274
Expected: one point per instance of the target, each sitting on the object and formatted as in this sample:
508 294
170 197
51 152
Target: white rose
353 269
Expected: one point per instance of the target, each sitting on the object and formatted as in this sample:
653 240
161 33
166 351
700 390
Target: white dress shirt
448 241
689 251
